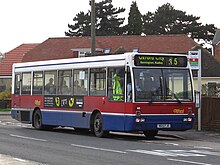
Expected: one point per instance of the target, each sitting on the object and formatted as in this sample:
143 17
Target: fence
210 114
211 89
5 103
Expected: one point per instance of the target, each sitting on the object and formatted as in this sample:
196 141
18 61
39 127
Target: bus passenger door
17 91
114 117
114 104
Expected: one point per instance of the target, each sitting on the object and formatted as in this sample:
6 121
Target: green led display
160 61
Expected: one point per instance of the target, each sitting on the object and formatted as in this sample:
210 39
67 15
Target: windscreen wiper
175 96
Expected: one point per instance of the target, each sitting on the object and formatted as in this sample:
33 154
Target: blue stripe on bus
128 123
41 65
116 122
111 122
58 118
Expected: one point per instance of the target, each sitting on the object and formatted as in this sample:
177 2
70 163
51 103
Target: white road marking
5 123
20 160
152 152
9 160
203 147
173 153
175 144
100 149
206 152
25 137
186 161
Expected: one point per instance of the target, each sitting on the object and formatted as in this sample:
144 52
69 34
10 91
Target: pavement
5 113
195 135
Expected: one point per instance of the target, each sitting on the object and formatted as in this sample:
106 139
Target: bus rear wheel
98 126
37 120
150 134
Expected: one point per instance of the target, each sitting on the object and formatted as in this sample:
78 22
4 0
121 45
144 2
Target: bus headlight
188 119
139 120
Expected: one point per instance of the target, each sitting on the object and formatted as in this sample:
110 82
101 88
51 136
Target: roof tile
57 48
14 56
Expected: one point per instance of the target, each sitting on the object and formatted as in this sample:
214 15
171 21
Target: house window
107 50
136 50
81 54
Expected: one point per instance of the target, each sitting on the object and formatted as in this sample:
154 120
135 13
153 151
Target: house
57 48
210 72
216 45
74 47
13 56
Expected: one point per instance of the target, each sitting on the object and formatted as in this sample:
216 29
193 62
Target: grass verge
5 109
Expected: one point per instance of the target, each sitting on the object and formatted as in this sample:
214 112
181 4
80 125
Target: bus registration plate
163 125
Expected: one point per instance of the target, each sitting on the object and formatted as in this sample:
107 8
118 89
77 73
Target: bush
5 94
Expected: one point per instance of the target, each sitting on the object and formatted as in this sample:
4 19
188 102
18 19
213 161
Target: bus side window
37 82
65 82
116 84
80 82
98 82
26 83
17 84
50 82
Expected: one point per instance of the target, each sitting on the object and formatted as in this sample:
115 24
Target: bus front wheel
98 126
37 120
150 133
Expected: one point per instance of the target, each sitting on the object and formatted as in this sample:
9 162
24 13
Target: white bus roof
84 62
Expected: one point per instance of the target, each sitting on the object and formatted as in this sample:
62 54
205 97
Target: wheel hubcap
97 125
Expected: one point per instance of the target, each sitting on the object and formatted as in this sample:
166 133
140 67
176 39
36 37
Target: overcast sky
34 21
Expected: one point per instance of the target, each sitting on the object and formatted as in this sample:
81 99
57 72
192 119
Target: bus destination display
160 61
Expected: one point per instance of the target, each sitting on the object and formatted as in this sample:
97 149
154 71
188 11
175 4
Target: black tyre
37 120
98 126
150 134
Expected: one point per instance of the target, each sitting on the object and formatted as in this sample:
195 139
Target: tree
148 27
107 21
82 26
134 20
167 20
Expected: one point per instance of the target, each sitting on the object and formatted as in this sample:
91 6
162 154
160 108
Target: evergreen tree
107 21
134 20
82 26
148 27
167 20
